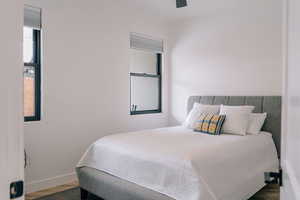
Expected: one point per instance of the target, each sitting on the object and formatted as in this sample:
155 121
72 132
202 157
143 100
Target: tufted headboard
268 104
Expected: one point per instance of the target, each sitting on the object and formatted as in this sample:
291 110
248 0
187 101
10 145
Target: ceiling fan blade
181 3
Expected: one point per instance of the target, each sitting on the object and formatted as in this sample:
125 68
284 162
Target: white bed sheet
186 165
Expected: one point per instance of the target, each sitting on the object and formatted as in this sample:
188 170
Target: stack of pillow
217 119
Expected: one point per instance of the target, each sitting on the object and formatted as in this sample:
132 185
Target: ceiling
167 8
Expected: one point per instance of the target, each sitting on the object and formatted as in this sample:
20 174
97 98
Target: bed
177 163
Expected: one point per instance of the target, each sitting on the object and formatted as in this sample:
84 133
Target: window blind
32 17
143 43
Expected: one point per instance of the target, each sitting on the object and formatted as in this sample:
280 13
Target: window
32 67
145 76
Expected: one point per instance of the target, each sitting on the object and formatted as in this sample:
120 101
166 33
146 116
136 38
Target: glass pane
28 45
143 62
144 93
29 91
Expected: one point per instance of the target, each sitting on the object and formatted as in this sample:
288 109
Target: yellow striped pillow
210 124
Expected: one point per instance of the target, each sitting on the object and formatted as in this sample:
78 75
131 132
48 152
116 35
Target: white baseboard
35 186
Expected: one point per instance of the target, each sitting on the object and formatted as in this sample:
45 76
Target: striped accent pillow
210 124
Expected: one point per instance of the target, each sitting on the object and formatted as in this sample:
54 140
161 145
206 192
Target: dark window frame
157 75
36 63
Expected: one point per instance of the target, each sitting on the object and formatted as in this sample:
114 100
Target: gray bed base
110 187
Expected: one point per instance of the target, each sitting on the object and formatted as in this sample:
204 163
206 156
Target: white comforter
186 165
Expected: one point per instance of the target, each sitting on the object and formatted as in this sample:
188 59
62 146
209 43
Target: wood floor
270 192
71 192
51 191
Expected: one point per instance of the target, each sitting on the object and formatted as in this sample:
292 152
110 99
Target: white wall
86 85
234 51
11 118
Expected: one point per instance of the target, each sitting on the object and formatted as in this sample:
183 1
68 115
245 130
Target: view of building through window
29 92
31 59
28 52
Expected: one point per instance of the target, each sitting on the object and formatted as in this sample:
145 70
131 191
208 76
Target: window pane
144 93
29 91
28 45
143 62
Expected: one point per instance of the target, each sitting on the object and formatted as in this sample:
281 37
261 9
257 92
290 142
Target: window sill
32 119
144 112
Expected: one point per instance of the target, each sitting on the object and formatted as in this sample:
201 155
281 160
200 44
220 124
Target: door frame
291 186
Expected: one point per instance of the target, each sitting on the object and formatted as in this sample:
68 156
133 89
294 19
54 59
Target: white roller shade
32 17
143 43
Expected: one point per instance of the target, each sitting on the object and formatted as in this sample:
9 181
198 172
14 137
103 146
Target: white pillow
256 121
197 110
237 119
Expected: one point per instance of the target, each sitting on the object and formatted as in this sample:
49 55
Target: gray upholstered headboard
268 104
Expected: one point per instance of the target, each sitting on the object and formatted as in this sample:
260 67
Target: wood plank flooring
50 191
71 192
270 192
